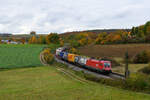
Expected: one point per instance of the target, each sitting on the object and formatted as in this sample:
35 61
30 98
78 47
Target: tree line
140 34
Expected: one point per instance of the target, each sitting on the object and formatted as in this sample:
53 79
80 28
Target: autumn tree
74 50
32 33
61 41
42 40
83 38
92 35
146 28
33 40
74 43
133 31
23 40
101 38
116 38
52 38
109 37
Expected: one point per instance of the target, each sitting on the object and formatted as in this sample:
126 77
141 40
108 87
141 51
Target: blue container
65 56
61 54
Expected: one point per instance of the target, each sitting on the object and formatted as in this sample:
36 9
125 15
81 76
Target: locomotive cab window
107 64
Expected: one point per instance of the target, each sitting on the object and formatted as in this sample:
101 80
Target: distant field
46 83
13 56
113 50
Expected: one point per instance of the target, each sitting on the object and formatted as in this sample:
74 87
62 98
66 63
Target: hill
96 31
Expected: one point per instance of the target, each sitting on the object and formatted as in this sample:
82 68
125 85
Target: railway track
112 75
72 75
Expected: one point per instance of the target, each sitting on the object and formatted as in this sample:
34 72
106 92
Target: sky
45 16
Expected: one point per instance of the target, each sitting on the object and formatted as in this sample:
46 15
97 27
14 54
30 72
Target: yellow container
71 57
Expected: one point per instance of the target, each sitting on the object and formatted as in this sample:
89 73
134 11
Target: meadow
47 83
14 56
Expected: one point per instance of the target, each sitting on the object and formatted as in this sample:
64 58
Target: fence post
126 65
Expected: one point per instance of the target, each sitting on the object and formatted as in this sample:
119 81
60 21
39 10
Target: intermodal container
71 57
82 60
61 54
65 56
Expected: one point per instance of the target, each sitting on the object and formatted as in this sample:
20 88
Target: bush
48 56
74 43
137 82
91 77
142 57
145 70
74 51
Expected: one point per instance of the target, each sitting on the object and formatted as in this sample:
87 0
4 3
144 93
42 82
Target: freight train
102 66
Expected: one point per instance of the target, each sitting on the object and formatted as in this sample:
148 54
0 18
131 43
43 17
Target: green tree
32 33
133 31
0 40
52 38
145 27
136 30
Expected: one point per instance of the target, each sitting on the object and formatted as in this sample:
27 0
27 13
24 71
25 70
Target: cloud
44 16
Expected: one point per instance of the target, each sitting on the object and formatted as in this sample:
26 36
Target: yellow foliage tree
48 56
116 37
40 39
61 42
148 30
109 37
74 51
83 38
33 40
101 37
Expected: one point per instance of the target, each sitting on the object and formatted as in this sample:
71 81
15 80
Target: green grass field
13 56
47 83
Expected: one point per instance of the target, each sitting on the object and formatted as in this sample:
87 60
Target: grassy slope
12 56
132 67
47 83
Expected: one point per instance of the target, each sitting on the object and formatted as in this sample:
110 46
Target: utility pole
126 65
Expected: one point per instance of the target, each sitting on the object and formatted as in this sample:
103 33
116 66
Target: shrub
91 77
137 82
48 56
145 70
74 51
74 43
142 57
